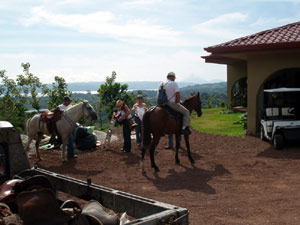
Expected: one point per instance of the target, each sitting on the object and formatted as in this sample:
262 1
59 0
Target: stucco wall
234 73
260 67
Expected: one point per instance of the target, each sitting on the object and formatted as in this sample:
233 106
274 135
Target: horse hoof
156 169
177 162
192 161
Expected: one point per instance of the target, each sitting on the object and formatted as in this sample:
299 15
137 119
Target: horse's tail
146 129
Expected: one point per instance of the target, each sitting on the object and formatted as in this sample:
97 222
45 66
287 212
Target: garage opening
287 78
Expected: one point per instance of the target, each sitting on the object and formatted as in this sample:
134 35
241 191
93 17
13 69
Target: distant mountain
220 87
132 85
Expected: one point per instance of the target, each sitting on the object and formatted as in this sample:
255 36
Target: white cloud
141 2
222 28
103 23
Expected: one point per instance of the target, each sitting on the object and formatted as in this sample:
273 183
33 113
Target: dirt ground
234 180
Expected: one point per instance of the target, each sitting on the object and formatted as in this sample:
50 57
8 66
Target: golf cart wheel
278 141
262 133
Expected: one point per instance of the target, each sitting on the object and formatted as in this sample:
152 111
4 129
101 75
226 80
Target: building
268 59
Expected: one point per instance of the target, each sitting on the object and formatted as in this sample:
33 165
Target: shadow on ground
69 168
193 179
291 151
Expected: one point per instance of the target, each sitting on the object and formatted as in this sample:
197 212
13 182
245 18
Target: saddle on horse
50 118
172 113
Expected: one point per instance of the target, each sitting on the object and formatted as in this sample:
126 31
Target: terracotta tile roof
287 36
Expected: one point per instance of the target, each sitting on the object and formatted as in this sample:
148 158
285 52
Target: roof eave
249 48
219 59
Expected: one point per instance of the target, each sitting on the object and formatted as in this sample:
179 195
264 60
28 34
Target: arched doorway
289 78
239 93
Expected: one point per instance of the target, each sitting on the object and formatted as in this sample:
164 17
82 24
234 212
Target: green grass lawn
213 122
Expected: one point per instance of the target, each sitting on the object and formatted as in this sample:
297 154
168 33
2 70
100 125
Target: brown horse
158 123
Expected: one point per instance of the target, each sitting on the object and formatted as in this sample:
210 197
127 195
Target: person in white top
139 110
70 148
173 94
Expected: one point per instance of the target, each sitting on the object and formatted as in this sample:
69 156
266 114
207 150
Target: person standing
123 116
173 94
139 110
170 141
70 147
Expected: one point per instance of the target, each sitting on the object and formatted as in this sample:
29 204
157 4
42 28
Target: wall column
235 72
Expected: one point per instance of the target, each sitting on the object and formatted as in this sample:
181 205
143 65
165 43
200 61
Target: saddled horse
65 126
157 122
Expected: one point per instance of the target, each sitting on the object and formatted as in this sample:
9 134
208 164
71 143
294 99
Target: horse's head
198 107
88 110
194 103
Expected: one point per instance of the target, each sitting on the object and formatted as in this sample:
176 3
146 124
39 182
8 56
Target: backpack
162 97
84 140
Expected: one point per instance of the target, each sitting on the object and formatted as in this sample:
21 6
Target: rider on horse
173 94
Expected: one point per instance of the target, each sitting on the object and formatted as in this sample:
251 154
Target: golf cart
281 119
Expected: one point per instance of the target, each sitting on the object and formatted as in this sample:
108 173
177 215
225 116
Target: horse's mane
73 106
188 99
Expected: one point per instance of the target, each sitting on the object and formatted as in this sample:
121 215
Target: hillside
132 85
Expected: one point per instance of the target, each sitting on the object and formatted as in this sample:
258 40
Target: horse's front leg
37 146
187 143
177 148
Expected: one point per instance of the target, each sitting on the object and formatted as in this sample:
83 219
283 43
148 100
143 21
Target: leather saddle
50 118
93 213
172 113
6 189
40 207
12 187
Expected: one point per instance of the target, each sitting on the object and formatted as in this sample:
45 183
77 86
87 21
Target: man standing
70 148
173 94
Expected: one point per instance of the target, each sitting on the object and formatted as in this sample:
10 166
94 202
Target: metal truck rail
146 211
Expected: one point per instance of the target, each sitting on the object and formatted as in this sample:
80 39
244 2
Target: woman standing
123 116
139 109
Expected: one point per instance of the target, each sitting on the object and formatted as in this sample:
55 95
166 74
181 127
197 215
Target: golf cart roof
282 90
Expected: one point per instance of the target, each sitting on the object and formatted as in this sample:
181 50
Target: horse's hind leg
37 146
186 138
63 157
28 145
142 161
152 150
177 147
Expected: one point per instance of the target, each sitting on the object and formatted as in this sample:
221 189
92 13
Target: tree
57 92
29 85
110 92
12 102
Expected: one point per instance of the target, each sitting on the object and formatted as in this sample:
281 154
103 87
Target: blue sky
85 40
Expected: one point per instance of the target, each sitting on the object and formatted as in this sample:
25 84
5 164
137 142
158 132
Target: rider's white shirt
171 90
64 107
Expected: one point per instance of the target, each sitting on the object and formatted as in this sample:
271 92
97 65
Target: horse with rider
173 117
